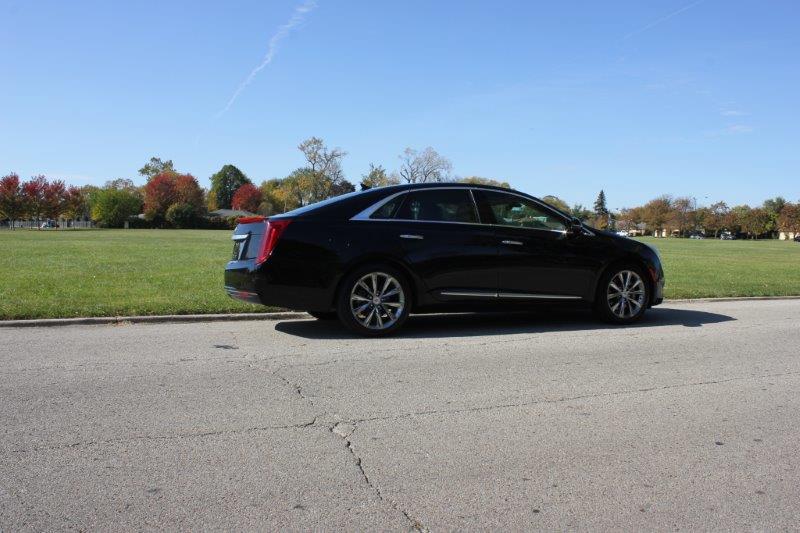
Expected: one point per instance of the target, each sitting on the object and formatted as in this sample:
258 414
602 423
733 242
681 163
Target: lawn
714 268
147 272
77 273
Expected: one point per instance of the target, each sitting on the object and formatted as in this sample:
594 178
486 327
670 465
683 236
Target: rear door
536 259
445 244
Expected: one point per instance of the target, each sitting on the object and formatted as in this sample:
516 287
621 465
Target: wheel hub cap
377 300
626 294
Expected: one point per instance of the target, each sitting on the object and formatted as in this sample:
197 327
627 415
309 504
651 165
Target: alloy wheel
626 294
377 300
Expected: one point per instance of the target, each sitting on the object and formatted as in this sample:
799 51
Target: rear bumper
258 285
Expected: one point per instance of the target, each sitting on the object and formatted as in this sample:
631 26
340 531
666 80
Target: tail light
274 231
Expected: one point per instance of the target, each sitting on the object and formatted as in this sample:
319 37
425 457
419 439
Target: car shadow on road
477 324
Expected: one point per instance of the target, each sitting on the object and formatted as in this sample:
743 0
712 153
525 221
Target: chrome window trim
365 214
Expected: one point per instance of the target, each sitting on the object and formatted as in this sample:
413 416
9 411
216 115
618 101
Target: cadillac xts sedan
372 257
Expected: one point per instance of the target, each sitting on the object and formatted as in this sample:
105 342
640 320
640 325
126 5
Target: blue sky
639 98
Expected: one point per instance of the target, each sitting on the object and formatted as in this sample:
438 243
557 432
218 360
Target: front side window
438 205
511 210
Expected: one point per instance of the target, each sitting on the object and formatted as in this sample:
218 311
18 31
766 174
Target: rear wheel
374 300
622 295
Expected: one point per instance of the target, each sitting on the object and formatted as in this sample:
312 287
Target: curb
729 299
286 315
116 320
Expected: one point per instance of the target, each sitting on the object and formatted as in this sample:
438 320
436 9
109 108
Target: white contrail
297 18
662 19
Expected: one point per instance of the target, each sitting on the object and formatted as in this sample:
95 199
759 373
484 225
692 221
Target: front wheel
374 300
622 295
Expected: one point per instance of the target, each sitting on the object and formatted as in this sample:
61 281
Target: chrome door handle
515 243
406 236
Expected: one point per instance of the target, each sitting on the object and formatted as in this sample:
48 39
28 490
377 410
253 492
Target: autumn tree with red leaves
11 200
33 195
54 198
159 195
247 198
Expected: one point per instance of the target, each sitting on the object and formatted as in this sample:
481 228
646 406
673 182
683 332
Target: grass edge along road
79 273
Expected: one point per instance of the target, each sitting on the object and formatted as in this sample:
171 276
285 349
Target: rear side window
438 205
388 209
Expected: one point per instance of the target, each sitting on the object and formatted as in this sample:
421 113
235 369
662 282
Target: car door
445 244
536 257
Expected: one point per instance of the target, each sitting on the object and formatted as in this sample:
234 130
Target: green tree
223 186
112 207
478 180
580 212
557 202
773 208
156 166
377 177
182 215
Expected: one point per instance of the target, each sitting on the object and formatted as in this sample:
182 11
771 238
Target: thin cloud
663 19
732 113
298 16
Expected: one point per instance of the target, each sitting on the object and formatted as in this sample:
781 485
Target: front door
536 258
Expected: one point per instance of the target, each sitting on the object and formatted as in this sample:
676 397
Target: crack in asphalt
123 440
415 524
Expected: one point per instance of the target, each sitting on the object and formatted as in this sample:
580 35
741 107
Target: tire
628 304
323 315
362 313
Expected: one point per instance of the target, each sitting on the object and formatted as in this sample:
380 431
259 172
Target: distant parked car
623 233
797 238
373 256
727 236
49 224
697 236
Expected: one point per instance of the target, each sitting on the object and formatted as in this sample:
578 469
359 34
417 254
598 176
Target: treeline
170 198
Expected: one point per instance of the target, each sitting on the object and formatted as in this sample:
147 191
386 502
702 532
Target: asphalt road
690 420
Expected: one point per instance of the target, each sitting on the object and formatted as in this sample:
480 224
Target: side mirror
575 227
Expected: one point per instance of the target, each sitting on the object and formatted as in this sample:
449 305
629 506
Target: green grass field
114 272
712 268
148 272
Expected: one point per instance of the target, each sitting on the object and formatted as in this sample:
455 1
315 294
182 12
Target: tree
323 174
112 207
715 222
773 208
54 198
736 218
556 202
156 166
789 220
182 215
756 222
33 192
247 198
276 197
629 218
478 180
682 209
656 214
423 167
580 212
223 184
74 203
189 192
377 177
159 195
12 202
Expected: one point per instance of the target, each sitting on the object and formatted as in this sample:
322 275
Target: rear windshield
311 207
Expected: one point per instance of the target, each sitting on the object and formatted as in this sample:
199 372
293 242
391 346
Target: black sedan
372 257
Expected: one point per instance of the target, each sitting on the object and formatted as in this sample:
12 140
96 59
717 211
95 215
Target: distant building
787 235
